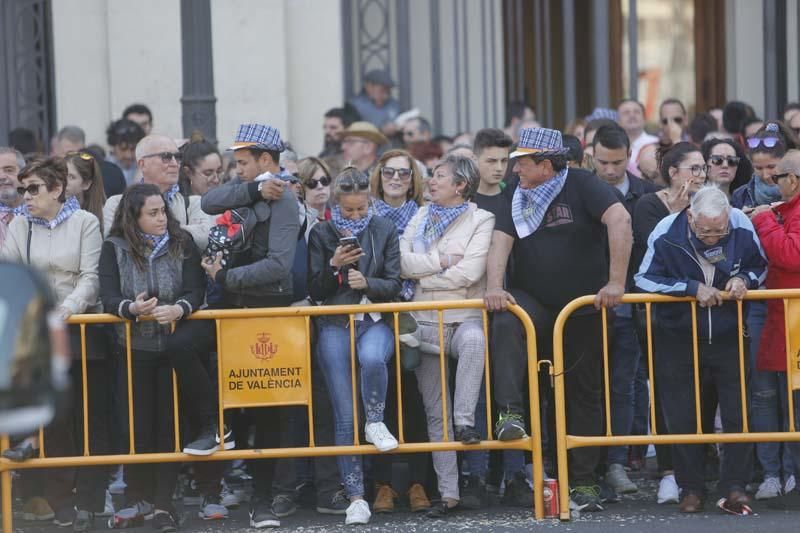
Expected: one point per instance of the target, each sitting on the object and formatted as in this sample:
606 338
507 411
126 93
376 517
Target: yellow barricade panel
793 323
264 361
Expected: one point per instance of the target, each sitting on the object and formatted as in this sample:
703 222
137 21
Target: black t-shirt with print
494 204
567 256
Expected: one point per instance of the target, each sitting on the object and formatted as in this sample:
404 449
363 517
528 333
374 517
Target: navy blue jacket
745 196
671 267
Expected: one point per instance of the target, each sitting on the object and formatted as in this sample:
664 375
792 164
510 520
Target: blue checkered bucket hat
258 136
542 142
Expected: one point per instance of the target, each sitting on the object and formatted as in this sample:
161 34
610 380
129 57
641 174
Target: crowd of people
386 212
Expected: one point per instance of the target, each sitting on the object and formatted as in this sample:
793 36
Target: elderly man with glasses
158 161
702 251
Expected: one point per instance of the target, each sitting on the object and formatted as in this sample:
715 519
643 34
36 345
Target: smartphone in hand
349 243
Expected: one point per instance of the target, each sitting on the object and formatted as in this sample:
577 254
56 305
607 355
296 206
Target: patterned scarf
437 219
765 194
528 206
399 215
67 210
349 227
170 194
7 213
155 242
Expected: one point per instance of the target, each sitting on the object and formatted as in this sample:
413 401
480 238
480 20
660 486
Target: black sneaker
467 435
208 441
283 505
607 494
261 514
65 516
84 521
585 498
518 493
191 496
338 504
473 493
164 521
510 426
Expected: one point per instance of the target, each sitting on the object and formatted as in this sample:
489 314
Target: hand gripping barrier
256 335
565 442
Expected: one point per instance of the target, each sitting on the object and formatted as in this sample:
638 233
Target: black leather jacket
380 265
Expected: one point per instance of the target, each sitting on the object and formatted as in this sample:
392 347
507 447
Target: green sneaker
585 498
510 426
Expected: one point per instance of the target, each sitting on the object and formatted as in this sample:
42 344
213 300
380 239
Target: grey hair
288 155
709 201
144 145
17 153
73 134
464 171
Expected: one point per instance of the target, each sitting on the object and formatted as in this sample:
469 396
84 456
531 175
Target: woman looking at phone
767 147
355 258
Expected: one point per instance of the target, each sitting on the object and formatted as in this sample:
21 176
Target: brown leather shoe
384 500
691 503
736 500
417 498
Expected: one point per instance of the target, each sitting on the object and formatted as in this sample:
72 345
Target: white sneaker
790 485
769 488
376 433
358 512
668 490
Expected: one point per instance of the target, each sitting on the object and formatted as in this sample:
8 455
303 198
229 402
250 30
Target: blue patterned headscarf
67 210
437 219
349 227
399 215
528 206
155 242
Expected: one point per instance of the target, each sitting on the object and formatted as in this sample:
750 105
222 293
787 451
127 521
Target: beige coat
469 235
67 256
197 223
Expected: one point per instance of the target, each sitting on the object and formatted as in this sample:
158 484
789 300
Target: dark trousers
64 437
583 367
153 425
674 375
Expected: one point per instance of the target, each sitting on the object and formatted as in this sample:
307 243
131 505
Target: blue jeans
624 366
768 400
374 347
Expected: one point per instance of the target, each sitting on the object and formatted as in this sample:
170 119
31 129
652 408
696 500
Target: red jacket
781 242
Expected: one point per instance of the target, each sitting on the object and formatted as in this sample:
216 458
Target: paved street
635 513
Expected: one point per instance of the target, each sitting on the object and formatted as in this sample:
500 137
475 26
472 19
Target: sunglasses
32 189
717 160
697 170
313 183
676 120
768 142
166 157
402 173
82 155
777 177
350 184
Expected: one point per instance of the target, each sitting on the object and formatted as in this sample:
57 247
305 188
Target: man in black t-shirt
491 147
556 230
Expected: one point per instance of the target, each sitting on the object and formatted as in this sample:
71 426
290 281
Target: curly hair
126 224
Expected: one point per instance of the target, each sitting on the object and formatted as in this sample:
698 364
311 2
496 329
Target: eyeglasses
697 170
32 189
768 142
351 140
349 184
676 120
403 174
777 177
717 160
703 234
313 182
166 157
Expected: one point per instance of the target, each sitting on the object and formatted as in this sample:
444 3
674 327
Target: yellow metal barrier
229 324
567 442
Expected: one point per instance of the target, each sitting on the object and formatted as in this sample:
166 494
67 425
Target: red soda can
550 495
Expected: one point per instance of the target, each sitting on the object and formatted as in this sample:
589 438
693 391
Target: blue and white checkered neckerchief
436 221
170 194
401 216
67 210
19 210
528 206
349 227
155 242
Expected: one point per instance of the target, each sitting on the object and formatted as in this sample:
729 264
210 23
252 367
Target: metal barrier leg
561 418
5 488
